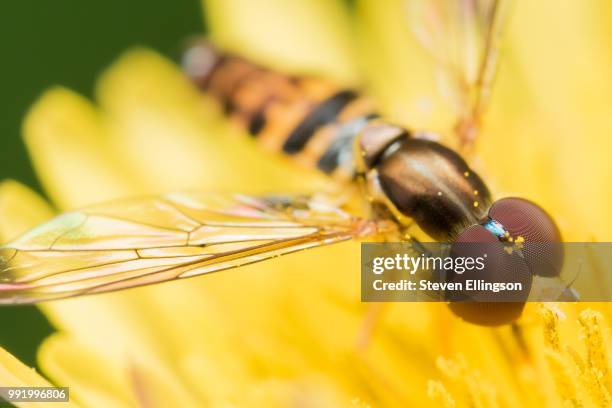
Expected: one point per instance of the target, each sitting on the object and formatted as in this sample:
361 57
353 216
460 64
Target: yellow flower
284 333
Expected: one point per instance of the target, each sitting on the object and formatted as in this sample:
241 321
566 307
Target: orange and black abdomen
308 118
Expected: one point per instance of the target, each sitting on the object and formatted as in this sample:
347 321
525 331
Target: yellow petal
100 380
76 163
126 315
172 137
14 373
309 390
20 209
550 119
298 35
400 74
123 330
70 152
94 381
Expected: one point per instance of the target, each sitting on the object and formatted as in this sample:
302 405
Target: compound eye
542 246
476 234
494 266
488 313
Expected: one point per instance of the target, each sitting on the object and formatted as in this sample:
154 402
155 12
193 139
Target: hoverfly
403 179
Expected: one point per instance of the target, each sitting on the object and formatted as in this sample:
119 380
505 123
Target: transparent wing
143 241
463 37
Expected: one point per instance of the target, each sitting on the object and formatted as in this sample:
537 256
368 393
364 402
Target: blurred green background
68 42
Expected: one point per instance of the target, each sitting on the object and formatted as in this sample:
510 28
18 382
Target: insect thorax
420 181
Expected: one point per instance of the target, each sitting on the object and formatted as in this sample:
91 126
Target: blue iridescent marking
495 228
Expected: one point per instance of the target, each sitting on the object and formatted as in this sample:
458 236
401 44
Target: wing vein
92 257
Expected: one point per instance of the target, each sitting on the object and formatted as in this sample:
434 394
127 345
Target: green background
68 42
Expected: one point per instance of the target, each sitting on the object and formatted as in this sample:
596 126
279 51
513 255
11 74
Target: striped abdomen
310 119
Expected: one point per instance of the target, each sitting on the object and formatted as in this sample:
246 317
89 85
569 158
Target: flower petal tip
54 108
13 373
21 208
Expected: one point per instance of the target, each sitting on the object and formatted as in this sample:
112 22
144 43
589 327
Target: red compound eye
488 313
483 306
487 260
542 246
